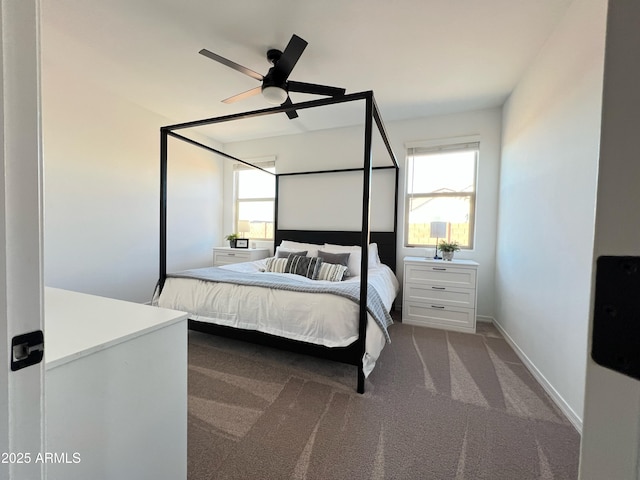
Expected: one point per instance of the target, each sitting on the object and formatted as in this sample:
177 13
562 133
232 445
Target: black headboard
386 241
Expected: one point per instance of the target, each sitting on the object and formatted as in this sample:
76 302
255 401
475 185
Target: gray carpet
439 405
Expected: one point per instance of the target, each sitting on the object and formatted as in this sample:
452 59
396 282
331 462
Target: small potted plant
232 237
447 249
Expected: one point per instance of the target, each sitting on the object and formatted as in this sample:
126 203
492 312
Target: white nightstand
440 294
227 255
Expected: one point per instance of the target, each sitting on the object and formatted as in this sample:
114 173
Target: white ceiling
420 57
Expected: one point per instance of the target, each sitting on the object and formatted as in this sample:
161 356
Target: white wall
102 184
343 148
325 201
611 435
547 198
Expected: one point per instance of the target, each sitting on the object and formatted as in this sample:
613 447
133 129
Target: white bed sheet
318 318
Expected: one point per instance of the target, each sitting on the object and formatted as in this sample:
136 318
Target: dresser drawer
443 275
450 318
452 296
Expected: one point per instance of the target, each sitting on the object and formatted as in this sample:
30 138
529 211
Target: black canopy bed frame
353 353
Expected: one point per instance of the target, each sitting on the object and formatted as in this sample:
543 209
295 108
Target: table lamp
438 230
244 227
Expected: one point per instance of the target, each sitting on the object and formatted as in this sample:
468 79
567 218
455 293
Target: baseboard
571 415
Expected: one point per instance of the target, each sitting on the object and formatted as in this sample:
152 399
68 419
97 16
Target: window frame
471 143
238 167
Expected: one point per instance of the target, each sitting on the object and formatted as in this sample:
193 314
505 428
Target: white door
611 427
21 286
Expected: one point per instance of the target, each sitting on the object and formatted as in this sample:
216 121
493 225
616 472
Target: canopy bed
369 293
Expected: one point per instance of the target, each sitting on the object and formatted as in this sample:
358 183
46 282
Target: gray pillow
335 258
282 253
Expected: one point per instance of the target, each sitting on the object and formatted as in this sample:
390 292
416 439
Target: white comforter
322 319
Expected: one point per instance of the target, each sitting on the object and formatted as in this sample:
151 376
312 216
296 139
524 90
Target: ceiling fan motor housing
273 55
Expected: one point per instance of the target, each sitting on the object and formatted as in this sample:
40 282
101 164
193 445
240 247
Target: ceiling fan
276 85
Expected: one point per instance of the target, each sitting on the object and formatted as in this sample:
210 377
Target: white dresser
227 255
440 294
115 388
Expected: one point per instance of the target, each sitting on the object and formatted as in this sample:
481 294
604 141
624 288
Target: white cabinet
116 388
227 255
440 294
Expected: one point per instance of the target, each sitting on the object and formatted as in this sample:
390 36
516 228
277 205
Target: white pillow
311 248
374 258
355 256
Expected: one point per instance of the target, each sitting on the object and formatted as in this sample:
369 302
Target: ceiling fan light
274 95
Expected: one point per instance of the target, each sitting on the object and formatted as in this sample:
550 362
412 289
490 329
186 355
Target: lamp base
436 256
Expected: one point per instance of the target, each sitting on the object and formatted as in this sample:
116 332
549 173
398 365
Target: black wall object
616 316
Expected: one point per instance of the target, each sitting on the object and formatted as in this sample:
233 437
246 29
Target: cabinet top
79 324
431 261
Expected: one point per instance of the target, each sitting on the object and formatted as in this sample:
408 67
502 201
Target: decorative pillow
354 256
273 264
311 248
284 253
305 266
332 272
336 258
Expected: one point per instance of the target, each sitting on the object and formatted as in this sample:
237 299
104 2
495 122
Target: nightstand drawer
439 316
452 296
227 256
440 274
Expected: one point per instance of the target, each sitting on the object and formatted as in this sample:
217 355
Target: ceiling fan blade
290 56
243 95
312 88
291 113
229 63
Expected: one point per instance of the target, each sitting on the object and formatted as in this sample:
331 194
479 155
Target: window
441 187
254 192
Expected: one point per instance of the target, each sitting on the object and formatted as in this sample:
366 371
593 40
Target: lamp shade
274 95
438 229
244 226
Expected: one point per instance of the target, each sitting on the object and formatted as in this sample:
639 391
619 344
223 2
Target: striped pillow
332 272
305 266
274 264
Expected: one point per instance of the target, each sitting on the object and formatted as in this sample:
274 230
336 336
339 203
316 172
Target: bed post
275 213
163 208
364 265
394 160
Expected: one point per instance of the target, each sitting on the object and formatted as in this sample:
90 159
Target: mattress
318 318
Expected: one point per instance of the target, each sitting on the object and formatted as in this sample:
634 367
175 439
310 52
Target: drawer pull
440 269
437 306
438 288
231 254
